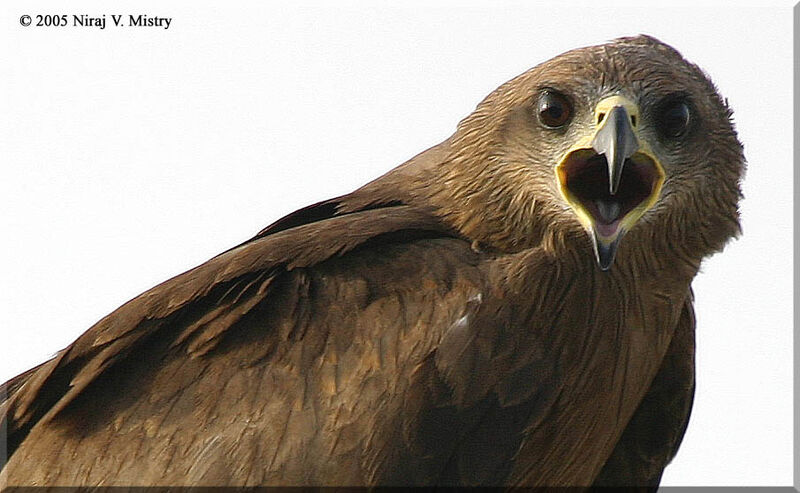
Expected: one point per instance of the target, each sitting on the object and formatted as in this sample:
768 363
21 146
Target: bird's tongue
608 210
606 214
606 230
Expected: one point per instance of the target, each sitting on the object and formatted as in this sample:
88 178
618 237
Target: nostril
600 118
633 120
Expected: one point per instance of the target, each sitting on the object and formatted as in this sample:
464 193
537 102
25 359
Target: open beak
610 178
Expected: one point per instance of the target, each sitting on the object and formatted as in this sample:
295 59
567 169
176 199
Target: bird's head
601 147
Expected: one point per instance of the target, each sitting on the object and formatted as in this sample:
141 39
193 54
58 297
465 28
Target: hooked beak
615 139
610 178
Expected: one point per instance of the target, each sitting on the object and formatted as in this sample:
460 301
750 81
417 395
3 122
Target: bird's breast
603 339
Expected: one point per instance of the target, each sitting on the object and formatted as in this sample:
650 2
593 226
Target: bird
511 307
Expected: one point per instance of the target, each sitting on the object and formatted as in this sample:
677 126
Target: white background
129 155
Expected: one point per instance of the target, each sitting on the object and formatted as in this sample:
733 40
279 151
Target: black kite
509 307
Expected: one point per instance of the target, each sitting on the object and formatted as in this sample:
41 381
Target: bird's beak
610 178
615 137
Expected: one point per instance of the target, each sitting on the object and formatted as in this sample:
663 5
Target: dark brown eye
554 109
673 120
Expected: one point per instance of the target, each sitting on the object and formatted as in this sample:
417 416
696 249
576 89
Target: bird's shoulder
311 257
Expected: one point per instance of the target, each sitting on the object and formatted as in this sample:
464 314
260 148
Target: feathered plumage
473 317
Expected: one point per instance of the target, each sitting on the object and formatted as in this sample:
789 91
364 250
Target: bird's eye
673 120
554 109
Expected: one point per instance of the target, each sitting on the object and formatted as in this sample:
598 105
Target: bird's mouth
584 179
610 177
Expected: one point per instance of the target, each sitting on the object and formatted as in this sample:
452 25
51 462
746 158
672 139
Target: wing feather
199 306
654 433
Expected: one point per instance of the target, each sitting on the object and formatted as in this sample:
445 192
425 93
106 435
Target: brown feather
445 324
